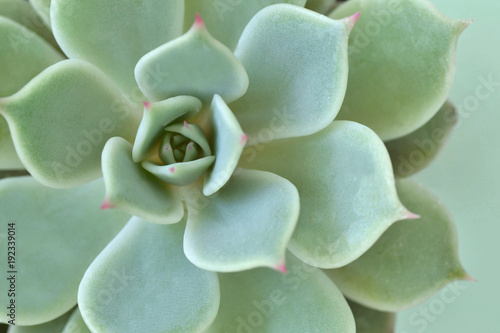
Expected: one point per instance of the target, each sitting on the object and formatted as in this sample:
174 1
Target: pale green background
465 178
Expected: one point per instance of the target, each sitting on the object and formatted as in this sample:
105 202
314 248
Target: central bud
183 143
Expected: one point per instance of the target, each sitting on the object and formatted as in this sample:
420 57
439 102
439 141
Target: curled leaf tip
244 138
198 22
147 105
411 216
106 205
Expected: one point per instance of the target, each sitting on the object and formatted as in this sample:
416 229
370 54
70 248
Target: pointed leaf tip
147 105
244 138
469 278
281 268
198 22
411 216
106 205
186 124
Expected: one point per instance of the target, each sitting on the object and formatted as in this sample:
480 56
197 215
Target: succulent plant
186 173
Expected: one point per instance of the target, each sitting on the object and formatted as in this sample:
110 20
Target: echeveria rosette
219 210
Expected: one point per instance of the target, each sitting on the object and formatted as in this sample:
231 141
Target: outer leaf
71 109
347 196
114 34
58 234
227 19
296 61
156 117
372 321
229 143
410 262
196 64
413 152
130 187
247 224
401 61
23 13
23 55
42 7
55 325
262 300
76 324
143 273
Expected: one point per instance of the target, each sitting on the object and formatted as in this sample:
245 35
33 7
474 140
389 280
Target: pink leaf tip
172 169
351 20
106 205
244 138
198 22
355 17
281 268
411 216
190 146
469 278
186 124
147 105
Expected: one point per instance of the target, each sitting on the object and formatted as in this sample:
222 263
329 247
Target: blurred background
465 178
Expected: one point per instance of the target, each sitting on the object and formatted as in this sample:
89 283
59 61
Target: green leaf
130 187
76 324
321 6
42 7
114 34
347 194
180 174
410 262
195 64
23 55
55 325
413 152
296 61
156 117
401 64
246 224
23 13
227 19
229 141
262 300
372 321
71 109
58 233
142 282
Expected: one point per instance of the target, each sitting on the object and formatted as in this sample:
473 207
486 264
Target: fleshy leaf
23 13
262 300
247 224
23 55
42 7
227 19
76 324
196 64
410 262
321 6
296 61
413 152
114 34
229 143
143 273
372 321
81 109
180 174
347 196
58 234
401 64
156 117
130 187
55 325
